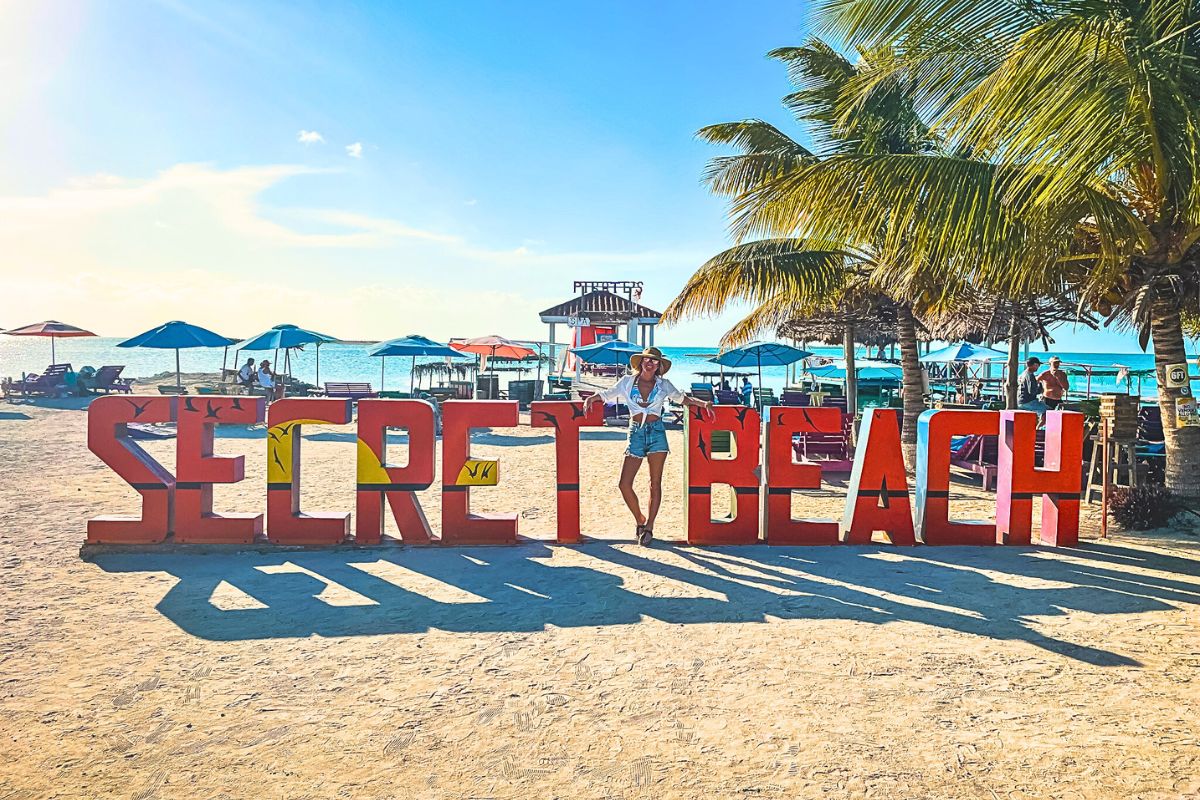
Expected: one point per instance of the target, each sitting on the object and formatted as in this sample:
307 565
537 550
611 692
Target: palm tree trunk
912 390
1183 444
851 373
1014 364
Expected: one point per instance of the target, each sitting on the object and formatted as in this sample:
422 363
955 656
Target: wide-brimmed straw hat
664 363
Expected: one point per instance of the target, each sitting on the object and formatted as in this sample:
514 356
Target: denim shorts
650 437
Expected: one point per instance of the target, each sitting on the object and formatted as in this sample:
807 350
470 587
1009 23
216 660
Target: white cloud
354 150
125 253
310 137
470 202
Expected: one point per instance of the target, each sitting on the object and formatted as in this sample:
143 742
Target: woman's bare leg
629 471
657 460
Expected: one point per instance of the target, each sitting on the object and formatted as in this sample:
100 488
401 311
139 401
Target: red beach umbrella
53 329
492 346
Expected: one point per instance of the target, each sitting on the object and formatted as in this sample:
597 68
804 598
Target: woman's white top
626 391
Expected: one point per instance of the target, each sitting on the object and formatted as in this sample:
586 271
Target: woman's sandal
644 535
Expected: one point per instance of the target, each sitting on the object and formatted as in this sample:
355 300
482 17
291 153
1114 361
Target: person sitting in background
267 380
747 391
1029 388
1055 384
245 376
725 385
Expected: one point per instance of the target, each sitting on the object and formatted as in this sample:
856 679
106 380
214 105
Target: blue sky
460 163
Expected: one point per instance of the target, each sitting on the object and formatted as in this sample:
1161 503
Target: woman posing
645 391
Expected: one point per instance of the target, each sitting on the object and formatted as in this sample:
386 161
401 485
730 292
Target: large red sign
757 469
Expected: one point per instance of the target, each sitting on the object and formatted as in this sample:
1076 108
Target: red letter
1058 484
459 525
783 475
566 418
286 524
196 470
877 499
701 471
934 429
378 480
109 439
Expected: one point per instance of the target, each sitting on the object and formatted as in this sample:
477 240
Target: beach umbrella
865 370
52 328
614 351
286 337
177 335
963 351
771 354
492 346
411 346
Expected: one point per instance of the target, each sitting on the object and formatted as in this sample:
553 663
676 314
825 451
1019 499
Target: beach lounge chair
831 450
979 454
170 388
51 383
108 379
792 397
348 391
702 391
727 397
765 397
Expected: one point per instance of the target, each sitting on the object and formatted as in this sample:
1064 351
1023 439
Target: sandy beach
603 670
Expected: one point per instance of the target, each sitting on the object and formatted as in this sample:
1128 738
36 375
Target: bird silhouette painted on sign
139 410
884 500
474 472
237 403
212 412
278 463
703 447
741 416
551 418
577 411
187 405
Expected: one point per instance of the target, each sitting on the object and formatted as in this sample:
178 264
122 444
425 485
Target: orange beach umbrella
493 346
52 328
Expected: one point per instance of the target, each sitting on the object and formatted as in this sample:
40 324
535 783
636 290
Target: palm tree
788 277
1078 127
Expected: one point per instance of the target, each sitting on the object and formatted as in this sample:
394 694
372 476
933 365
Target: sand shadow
972 590
57 403
13 415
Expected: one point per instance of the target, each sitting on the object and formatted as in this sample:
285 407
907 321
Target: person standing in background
1029 388
1055 384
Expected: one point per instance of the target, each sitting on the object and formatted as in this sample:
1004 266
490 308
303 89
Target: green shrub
1142 507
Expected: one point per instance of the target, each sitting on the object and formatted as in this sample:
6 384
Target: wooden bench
349 391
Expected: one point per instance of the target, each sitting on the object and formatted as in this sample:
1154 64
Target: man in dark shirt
1029 389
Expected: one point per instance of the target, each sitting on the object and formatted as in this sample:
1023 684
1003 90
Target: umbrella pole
412 371
318 379
760 386
178 377
224 361
382 364
53 357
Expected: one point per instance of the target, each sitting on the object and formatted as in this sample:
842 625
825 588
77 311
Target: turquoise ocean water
350 362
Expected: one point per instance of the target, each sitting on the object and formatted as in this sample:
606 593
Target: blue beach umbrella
963 351
285 337
177 336
771 354
866 371
411 346
614 351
